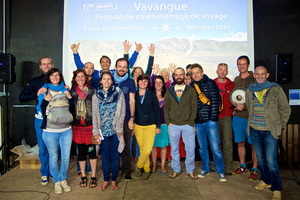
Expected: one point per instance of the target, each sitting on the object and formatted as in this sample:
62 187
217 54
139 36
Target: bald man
269 112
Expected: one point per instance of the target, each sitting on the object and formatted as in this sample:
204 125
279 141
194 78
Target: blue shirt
127 86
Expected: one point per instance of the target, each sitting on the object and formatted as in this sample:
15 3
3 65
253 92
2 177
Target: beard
179 81
119 75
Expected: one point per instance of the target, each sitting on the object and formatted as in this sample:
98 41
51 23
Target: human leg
65 141
163 156
43 151
146 135
126 159
115 158
154 158
105 151
213 137
51 141
226 126
174 135
188 136
203 143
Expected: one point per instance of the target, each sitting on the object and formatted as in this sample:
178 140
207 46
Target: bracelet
132 117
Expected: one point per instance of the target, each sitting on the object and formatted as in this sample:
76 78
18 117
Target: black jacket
211 91
30 91
147 113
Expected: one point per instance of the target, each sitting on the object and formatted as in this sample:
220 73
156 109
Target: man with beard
127 85
105 61
179 109
31 92
207 121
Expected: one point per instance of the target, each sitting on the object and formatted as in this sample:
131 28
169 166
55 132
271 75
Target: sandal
192 176
164 171
103 187
83 182
174 175
93 182
114 187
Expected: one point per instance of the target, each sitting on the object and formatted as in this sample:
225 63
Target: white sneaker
57 188
222 178
44 180
65 186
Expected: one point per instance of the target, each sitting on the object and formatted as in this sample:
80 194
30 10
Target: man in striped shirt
269 112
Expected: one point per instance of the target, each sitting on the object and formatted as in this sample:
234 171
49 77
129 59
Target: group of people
105 108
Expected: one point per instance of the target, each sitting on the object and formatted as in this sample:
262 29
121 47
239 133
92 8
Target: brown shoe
276 195
262 185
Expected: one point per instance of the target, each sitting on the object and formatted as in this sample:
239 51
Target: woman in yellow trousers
147 124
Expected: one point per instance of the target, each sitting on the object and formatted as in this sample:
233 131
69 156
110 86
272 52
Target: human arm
135 54
97 126
120 115
193 107
151 59
132 110
156 112
284 107
28 93
214 98
77 58
167 107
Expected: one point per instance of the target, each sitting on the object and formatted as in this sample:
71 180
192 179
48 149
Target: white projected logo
165 27
99 6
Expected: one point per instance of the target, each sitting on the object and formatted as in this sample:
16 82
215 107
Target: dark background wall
35 28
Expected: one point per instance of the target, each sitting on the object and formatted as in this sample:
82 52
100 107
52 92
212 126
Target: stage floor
25 184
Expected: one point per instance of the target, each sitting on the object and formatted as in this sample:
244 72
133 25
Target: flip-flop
103 187
174 175
114 187
164 172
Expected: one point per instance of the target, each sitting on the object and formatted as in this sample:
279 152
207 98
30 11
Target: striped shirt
258 121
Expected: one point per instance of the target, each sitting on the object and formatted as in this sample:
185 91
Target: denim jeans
265 146
110 157
56 141
43 151
208 131
188 137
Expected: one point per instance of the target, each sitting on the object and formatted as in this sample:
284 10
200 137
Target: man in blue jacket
206 122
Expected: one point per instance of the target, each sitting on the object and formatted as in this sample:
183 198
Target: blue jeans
43 151
265 146
56 141
209 131
188 137
110 157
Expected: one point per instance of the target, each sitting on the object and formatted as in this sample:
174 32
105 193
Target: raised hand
172 67
138 47
75 48
155 69
152 49
126 46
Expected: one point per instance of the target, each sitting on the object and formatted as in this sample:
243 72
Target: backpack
58 113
